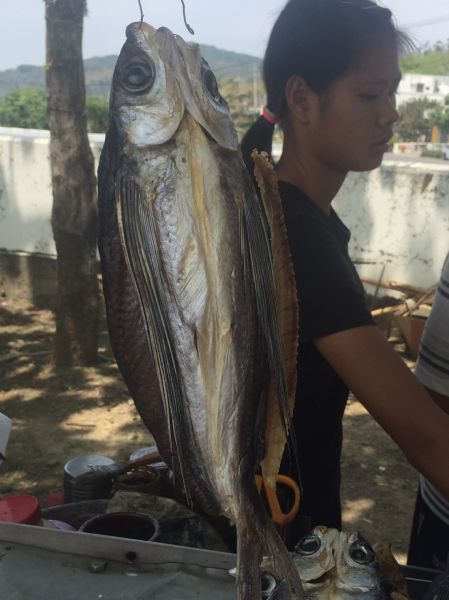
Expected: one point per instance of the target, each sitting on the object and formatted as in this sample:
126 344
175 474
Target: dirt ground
59 415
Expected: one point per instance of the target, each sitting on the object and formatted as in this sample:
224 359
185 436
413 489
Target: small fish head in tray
338 565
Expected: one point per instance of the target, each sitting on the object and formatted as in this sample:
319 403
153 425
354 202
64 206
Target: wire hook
189 29
141 12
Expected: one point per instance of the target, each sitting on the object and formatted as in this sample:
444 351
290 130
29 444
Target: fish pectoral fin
140 242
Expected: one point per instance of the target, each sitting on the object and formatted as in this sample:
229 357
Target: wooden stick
387 310
414 304
408 307
394 285
406 287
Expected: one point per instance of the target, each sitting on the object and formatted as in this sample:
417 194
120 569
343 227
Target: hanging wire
141 12
189 29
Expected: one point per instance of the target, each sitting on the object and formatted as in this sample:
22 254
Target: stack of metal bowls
99 488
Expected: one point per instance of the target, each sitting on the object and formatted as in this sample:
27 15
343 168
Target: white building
415 87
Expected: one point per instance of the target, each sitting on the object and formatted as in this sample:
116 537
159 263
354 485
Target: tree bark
74 187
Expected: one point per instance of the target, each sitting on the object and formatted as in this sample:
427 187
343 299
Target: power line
433 21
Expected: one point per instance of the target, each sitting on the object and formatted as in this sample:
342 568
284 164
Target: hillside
99 71
433 62
224 63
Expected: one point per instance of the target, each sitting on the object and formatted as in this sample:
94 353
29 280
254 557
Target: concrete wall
29 278
399 218
25 190
399 214
27 248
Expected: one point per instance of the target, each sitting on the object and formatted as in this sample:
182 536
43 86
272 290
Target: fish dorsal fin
287 310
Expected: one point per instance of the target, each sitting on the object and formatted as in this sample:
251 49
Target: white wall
25 189
399 214
399 218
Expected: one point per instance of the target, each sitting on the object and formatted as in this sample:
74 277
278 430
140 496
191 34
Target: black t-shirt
331 299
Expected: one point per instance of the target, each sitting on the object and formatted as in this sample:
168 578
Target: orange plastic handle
277 516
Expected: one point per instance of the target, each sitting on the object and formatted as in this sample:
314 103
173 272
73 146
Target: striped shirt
432 369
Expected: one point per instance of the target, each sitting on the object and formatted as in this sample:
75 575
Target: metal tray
418 580
44 564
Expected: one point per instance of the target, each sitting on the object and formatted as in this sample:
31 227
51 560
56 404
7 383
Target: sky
238 25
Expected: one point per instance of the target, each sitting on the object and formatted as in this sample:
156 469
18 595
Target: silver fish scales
189 289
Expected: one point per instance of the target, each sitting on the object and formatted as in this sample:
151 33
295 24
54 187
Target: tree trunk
74 187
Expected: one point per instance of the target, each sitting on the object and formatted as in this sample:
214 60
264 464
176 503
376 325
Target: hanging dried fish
189 287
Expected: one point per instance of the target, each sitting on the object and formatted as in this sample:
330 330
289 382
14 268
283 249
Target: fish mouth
141 34
136 30
322 578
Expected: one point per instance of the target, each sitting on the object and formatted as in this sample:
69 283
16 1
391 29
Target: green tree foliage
241 96
440 116
414 122
97 114
27 108
24 108
428 61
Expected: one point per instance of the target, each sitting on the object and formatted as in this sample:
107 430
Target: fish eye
309 544
268 584
362 553
212 86
138 77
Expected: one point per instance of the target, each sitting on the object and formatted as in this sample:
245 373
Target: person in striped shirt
429 543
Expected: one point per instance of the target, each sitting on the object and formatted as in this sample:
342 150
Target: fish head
357 568
314 558
146 103
159 79
334 564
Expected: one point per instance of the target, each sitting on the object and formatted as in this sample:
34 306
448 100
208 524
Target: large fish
189 285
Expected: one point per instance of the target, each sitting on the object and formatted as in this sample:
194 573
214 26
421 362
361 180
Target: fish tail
251 547
249 554
284 569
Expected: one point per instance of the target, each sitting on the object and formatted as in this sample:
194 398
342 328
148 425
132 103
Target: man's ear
298 97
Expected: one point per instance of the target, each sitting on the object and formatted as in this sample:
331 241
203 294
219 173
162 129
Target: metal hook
141 12
189 29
